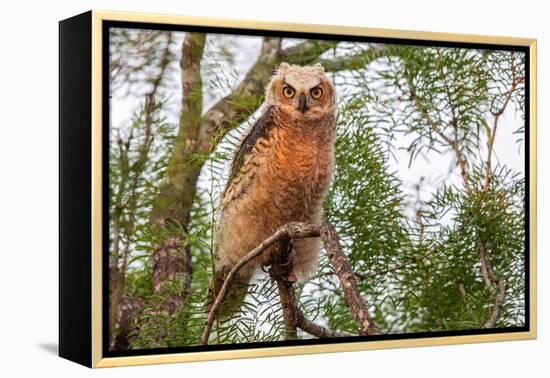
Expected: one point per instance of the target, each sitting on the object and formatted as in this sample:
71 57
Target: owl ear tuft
283 68
319 67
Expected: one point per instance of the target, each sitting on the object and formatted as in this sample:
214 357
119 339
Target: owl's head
303 92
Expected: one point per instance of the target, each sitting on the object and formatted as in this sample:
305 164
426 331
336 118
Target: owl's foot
291 259
283 270
289 265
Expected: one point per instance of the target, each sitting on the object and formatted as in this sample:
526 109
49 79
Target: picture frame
84 150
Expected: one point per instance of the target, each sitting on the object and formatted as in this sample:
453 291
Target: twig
356 60
453 143
281 267
461 289
515 83
316 330
499 302
486 270
343 269
490 278
294 317
427 117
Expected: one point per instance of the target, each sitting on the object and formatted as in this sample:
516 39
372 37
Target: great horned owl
280 173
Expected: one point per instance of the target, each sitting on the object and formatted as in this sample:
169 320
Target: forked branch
294 317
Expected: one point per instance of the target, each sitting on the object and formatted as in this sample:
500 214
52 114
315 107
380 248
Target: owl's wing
248 157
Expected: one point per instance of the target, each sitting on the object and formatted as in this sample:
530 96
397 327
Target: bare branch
499 302
490 278
163 65
343 269
294 318
280 270
486 271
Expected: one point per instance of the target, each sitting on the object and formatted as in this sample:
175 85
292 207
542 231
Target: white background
29 189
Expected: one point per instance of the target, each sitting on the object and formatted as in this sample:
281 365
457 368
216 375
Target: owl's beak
302 103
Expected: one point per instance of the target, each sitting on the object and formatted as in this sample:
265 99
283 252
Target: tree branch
490 278
125 211
454 125
486 271
178 189
355 61
306 52
516 81
280 270
499 302
177 192
342 267
452 143
294 318
316 330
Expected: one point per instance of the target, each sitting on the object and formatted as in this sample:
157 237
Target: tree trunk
173 204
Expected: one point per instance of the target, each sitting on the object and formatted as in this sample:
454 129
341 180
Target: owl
280 173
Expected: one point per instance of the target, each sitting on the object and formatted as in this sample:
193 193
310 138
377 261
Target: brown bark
293 316
342 267
316 330
281 267
171 260
127 312
497 307
495 284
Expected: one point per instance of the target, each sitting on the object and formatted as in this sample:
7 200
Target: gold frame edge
98 16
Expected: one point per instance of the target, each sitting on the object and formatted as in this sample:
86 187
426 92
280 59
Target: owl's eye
317 93
288 91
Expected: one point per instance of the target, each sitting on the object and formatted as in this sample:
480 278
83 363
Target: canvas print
279 190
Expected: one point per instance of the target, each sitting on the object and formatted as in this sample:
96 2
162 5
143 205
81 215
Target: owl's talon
291 259
287 263
292 278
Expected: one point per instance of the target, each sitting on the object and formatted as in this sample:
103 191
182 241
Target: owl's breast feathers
282 168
